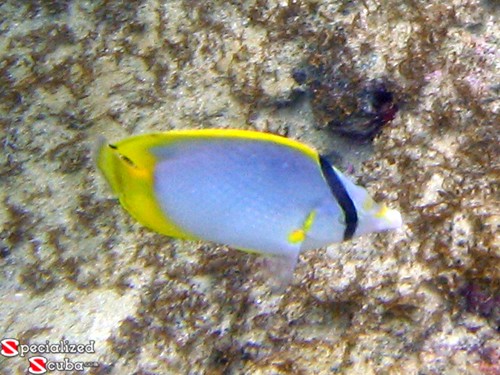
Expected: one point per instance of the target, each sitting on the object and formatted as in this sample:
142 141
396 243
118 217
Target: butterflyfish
251 191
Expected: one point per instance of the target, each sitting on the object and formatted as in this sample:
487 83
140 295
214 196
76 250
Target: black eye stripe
339 192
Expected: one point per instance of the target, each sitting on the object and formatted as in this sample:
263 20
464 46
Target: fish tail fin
128 169
104 157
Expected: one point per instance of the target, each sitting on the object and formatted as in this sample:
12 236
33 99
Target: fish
252 191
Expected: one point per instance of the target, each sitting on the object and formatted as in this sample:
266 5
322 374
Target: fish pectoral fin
278 269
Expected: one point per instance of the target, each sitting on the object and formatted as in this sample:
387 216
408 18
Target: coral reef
74 266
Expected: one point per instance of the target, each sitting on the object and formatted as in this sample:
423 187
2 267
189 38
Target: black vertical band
339 192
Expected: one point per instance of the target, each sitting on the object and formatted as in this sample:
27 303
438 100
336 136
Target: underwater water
404 97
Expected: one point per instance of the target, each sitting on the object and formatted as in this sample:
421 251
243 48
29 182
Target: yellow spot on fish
368 204
299 235
382 212
140 173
